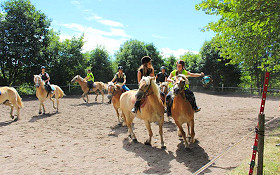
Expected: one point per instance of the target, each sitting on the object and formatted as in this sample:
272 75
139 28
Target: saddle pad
52 87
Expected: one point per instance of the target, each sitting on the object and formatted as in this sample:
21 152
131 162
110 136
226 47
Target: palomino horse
83 83
114 93
42 94
151 110
9 96
181 110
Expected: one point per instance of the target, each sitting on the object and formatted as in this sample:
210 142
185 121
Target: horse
10 97
83 83
114 93
151 109
181 110
42 94
163 87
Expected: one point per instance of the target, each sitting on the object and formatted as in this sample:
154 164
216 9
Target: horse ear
153 78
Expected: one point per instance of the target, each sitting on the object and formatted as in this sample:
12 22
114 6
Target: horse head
37 80
112 89
180 83
75 79
163 87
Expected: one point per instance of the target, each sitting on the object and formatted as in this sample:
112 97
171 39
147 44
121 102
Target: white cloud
92 16
94 37
76 3
110 23
158 36
166 52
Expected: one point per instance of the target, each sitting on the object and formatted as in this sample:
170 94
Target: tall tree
129 56
170 63
101 64
23 35
248 30
155 55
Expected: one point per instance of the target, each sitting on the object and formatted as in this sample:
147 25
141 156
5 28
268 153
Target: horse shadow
39 117
6 123
157 159
171 127
193 158
87 104
117 130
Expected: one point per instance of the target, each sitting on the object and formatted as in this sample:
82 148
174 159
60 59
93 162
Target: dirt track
86 139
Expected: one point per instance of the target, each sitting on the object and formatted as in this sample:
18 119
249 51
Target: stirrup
198 109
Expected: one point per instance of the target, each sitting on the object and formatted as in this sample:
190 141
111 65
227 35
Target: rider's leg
125 88
169 103
191 98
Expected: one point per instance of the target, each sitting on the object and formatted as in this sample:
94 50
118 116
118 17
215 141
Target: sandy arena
86 139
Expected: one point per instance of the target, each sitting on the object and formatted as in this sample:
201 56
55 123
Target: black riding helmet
120 68
145 59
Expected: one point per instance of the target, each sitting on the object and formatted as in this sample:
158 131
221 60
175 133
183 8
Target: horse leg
87 98
96 96
57 103
52 102
129 126
83 95
148 126
124 120
118 115
102 96
161 133
188 127
192 131
40 108
12 111
44 110
182 133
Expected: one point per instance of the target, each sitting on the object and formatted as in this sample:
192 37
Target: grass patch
271 156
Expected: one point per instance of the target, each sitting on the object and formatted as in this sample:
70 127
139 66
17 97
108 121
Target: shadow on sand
43 116
6 123
159 160
87 104
117 130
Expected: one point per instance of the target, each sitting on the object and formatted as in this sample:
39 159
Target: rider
120 78
146 69
188 93
46 78
90 79
162 76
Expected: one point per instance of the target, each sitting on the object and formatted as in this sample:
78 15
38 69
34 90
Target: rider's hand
201 74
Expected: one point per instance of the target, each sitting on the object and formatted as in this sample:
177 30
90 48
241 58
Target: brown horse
163 87
151 110
114 93
181 110
83 83
10 97
42 94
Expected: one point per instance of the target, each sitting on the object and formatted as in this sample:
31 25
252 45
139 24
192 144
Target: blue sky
174 26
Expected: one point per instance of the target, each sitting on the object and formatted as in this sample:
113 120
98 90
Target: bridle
179 86
37 81
114 89
164 88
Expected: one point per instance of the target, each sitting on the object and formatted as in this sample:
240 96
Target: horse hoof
40 112
135 140
163 147
15 119
44 113
120 124
147 143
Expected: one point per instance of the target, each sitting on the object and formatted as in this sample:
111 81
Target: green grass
271 157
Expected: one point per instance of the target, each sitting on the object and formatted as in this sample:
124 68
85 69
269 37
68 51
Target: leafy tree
170 63
155 55
248 30
101 64
129 56
23 35
66 59
216 66
193 62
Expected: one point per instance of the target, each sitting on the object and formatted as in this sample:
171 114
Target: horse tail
19 100
60 92
103 87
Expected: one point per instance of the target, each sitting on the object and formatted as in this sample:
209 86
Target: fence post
223 87
69 87
260 144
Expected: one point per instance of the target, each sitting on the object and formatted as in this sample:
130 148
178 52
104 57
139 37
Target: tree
216 66
193 62
65 59
101 64
155 55
23 35
248 30
129 56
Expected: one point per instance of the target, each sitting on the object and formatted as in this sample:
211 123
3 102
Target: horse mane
184 77
80 78
153 85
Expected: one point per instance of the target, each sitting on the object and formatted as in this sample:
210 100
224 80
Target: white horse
42 94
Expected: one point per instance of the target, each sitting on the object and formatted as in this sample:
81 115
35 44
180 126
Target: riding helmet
145 59
43 67
120 68
162 67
